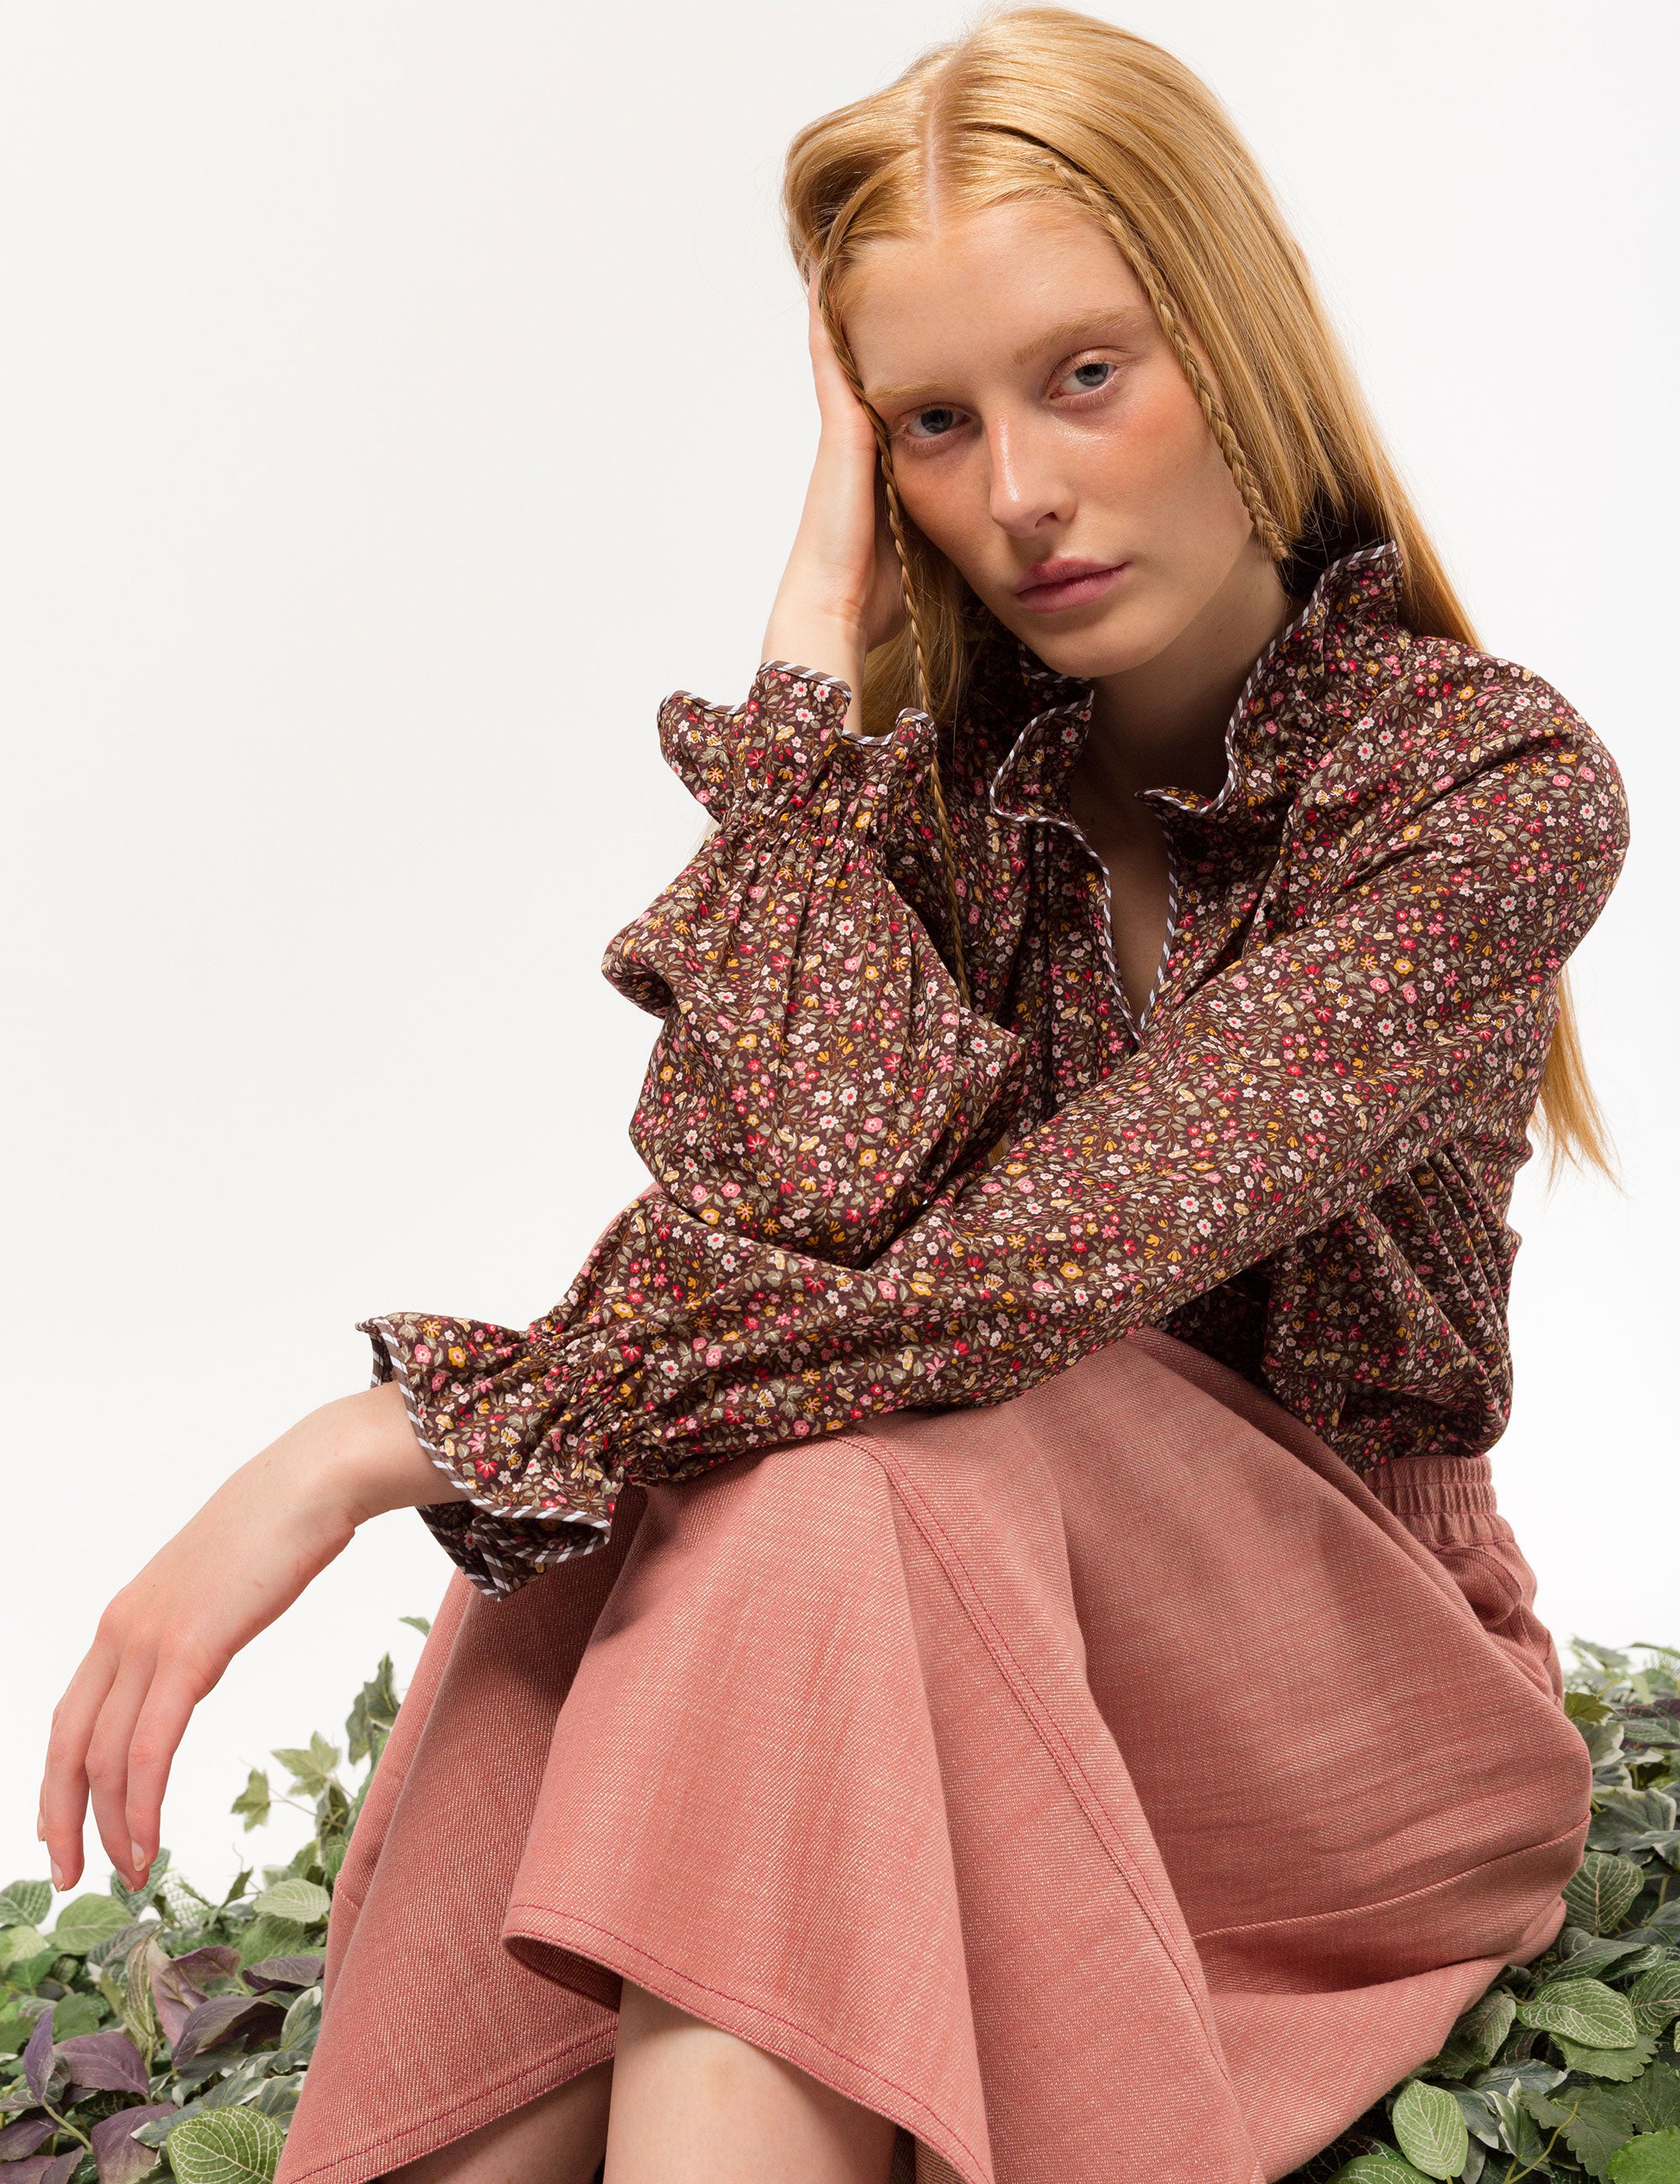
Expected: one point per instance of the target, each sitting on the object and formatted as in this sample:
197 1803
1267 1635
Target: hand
168 1636
840 593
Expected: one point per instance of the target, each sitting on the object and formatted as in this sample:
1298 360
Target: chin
1107 647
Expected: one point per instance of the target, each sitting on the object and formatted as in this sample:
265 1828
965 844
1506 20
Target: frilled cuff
760 754
478 1431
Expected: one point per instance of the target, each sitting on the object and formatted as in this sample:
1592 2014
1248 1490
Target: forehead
976 288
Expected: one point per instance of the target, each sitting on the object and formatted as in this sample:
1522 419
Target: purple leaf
38 2061
61 2170
19 2139
216 1962
174 1996
27 2172
120 2157
284 1971
107 2062
218 2019
175 1991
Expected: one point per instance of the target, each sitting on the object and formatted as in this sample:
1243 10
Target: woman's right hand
168 1636
841 593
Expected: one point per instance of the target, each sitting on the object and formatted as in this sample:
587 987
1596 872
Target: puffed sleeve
1402 1001
816 1084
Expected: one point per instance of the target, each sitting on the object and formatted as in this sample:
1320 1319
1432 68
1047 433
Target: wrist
358 1456
824 643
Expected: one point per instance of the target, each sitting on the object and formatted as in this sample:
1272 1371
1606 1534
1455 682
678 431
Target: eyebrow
1072 333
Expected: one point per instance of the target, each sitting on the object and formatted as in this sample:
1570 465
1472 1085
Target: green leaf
27 1973
1483 2026
254 1800
14 2031
270 1938
225 2146
1652 2158
311 1769
303 1858
332 1855
76 2013
18 1944
24 1902
372 1715
1601 1894
1583 2009
304 1901
85 1921
1429 2124
420 1623
1619 2063
1655 1997
1604 2116
1381 2166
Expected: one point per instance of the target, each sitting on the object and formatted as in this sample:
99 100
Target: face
1045 439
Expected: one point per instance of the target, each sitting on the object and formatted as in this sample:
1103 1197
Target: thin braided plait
1097 200
895 519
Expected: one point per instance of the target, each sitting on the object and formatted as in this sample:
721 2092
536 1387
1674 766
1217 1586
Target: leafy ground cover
155 2033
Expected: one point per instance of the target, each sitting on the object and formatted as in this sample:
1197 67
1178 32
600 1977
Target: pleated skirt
1108 1782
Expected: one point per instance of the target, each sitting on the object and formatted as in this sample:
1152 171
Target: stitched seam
1054 1743
453 2108
568 1919
1388 1902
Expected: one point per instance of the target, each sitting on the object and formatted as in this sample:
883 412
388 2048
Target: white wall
395 401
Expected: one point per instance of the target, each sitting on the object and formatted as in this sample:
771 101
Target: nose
1029 490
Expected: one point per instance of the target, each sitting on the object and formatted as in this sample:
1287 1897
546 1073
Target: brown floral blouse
866 1197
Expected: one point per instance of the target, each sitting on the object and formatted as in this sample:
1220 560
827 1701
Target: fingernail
39 1829
57 1877
140 1860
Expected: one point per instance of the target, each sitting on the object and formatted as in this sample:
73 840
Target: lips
1067 583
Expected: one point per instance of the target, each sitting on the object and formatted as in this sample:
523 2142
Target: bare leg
558 2138
692 2104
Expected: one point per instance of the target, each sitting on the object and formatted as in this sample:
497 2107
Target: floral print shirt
866 1197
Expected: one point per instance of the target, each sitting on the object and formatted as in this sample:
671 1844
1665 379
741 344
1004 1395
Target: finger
107 1760
63 1785
836 396
158 1731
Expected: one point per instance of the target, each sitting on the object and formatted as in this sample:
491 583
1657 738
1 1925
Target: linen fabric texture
1297 1158
1108 1782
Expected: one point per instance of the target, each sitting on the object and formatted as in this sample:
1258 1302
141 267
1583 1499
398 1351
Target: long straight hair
1045 103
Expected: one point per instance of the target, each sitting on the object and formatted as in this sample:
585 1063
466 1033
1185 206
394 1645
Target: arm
1292 1087
168 1635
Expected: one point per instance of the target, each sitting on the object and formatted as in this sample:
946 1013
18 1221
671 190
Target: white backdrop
396 400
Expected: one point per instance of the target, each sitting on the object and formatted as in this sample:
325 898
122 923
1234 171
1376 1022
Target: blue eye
939 421
1087 384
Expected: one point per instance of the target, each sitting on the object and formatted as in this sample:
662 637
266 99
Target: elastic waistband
1415 1485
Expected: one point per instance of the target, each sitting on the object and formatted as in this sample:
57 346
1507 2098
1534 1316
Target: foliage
155 2033
152 2033
1566 2067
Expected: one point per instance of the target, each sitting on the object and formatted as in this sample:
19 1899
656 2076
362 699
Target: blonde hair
1045 103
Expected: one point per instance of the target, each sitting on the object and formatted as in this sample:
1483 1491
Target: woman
864 1735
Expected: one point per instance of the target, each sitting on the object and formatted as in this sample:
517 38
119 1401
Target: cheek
946 501
1159 447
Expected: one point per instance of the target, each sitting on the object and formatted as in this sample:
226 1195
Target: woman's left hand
841 593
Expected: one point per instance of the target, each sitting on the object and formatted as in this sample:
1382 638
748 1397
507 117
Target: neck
1162 723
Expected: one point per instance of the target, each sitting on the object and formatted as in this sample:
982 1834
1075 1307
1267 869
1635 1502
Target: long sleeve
1406 992
815 1083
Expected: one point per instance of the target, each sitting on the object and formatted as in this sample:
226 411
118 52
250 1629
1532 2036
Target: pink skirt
1107 1782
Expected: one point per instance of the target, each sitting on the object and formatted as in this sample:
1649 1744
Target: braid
895 519
1097 202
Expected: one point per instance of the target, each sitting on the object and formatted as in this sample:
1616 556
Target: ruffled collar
1307 686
